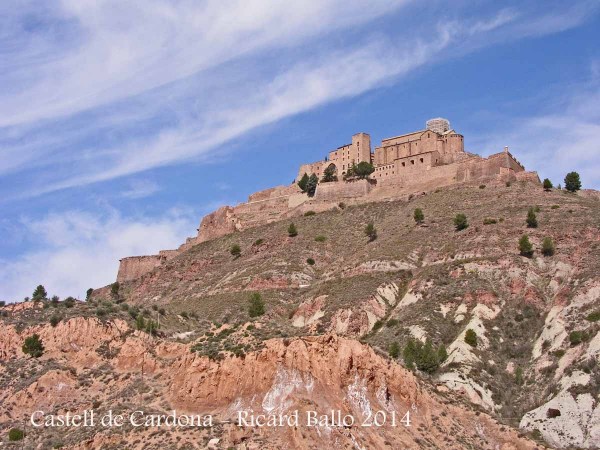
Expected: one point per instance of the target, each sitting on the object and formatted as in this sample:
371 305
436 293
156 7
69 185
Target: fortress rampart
414 162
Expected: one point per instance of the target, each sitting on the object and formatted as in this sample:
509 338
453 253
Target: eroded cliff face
90 364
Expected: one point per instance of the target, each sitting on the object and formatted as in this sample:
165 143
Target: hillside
336 303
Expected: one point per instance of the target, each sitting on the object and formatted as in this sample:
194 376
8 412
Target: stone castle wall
134 267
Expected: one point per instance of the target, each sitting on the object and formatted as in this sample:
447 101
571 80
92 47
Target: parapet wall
331 192
134 267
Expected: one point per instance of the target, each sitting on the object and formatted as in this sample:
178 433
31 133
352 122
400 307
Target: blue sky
123 122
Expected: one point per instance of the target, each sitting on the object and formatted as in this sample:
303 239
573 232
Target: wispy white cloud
76 250
140 189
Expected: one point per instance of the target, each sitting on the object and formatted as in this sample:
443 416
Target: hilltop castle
420 161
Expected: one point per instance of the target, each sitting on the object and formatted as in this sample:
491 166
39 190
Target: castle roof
403 135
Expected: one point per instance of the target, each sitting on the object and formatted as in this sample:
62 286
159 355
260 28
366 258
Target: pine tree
525 247
572 182
302 183
235 250
460 222
409 353
547 184
548 246
329 174
427 360
419 216
442 353
39 293
140 323
257 305
292 231
531 219
311 185
471 337
371 231
394 350
33 346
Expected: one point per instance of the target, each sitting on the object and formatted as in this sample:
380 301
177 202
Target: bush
2 304
162 311
235 250
555 207
257 305
33 346
69 302
508 184
460 222
576 337
525 247
531 219
547 184
488 221
482 186
310 261
309 213
184 315
39 293
258 242
471 337
292 230
320 238
394 350
55 320
519 375
593 316
548 247
371 231
419 216
572 182
15 434
341 205
140 323
392 323
377 325
114 289
88 293
424 357
442 353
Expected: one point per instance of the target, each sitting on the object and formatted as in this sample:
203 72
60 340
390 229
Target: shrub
531 219
394 350
525 247
548 247
471 337
2 304
555 207
235 250
424 357
341 205
392 323
292 230
257 305
310 261
377 325
482 186
151 327
519 375
39 293
320 238
69 302
33 346
576 337
460 222
124 306
593 316
15 434
508 184
572 182
140 323
184 315
101 312
419 216
547 184
258 242
55 320
488 221
309 213
88 293
559 353
371 231
162 311
54 301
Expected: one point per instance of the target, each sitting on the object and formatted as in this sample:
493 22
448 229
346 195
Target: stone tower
438 125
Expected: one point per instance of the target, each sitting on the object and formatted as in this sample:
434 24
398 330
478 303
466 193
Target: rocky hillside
503 348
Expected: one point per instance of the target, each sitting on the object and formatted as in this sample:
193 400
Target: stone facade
414 162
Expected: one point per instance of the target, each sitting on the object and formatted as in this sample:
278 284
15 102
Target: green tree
409 353
88 293
471 337
576 337
519 375
548 246
371 231
547 184
442 353
419 216
525 247
531 219
303 182
257 305
311 185
33 346
394 350
329 174
15 434
363 169
427 360
292 230
235 250
39 293
55 320
140 323
460 222
151 327
114 289
572 182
